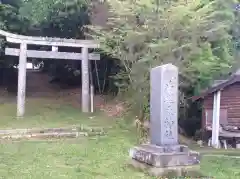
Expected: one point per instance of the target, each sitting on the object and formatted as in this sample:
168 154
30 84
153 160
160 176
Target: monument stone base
174 160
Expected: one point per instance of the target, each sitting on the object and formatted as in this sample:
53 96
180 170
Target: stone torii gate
24 53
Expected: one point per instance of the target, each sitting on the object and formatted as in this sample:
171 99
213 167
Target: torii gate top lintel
51 41
24 53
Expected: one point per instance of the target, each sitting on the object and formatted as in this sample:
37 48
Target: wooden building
221 107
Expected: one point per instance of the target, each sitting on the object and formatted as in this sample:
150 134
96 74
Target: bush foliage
193 35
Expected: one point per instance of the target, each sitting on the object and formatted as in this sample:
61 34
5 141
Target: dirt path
38 86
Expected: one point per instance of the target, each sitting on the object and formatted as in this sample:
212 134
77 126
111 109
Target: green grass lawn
48 113
104 157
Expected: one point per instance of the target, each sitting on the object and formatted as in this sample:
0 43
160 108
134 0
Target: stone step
46 133
79 128
50 135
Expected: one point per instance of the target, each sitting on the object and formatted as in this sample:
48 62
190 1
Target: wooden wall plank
230 100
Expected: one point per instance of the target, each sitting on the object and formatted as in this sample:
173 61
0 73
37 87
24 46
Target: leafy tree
58 18
194 35
9 20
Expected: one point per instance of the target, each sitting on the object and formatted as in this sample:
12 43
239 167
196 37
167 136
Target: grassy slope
47 113
100 157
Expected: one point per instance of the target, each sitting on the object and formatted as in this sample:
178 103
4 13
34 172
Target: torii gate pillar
22 80
85 80
23 53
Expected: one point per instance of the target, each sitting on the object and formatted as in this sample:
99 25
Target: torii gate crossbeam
23 54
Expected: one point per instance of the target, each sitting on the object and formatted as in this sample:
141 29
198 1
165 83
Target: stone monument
164 156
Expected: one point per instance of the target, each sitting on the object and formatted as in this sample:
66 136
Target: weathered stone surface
48 135
35 130
158 157
168 172
163 149
45 135
164 156
81 128
164 105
